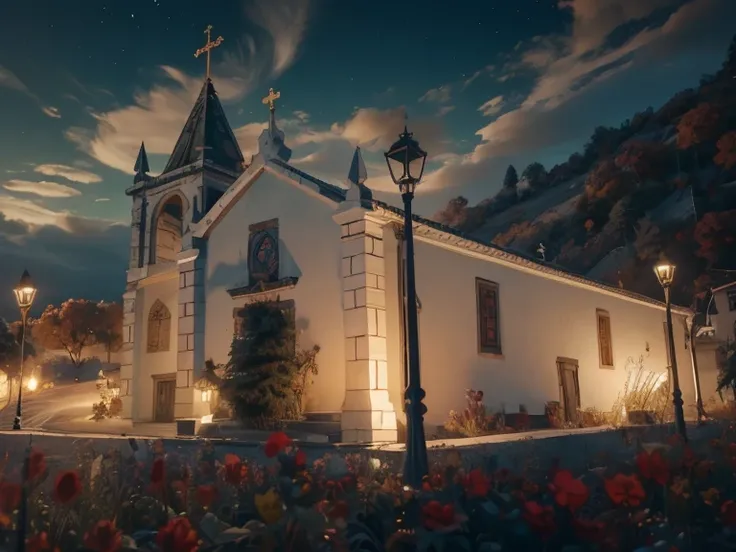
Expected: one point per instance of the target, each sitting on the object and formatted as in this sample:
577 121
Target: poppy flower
435 516
157 472
477 484
541 519
269 506
36 464
206 495
177 536
728 513
300 459
67 487
335 510
569 491
653 466
625 490
234 469
10 496
104 537
277 442
40 543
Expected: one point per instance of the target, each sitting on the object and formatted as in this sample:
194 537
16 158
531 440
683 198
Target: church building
213 233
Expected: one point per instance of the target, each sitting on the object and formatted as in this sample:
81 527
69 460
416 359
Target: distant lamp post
25 293
405 161
666 275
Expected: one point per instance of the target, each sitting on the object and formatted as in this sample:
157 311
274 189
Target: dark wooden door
165 395
569 388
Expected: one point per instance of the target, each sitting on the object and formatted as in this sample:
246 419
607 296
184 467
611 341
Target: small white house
211 234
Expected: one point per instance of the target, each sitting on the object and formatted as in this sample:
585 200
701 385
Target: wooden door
569 388
164 403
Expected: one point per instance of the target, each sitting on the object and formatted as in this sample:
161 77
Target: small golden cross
209 46
272 96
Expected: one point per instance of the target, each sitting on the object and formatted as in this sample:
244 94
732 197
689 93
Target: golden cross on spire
272 97
209 46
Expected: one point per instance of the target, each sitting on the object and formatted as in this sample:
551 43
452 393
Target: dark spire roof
141 165
207 135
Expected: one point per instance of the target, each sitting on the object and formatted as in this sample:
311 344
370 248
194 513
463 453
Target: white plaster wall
309 247
708 370
163 362
540 320
723 322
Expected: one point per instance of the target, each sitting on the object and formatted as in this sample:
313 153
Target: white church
212 234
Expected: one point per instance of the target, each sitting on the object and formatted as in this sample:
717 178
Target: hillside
661 184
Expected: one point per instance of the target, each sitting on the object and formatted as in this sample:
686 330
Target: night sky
483 83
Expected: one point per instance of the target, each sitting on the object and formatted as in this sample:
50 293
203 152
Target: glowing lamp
405 161
206 395
665 274
32 384
25 291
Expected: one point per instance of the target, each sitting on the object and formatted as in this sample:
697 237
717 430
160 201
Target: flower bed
669 496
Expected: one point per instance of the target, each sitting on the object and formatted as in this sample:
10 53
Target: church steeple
141 167
271 141
207 136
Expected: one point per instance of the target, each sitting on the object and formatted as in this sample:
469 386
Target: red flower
206 495
10 495
569 491
300 459
625 489
728 513
334 510
67 487
653 466
40 543
277 442
477 484
36 464
541 519
235 470
436 516
177 536
104 537
157 472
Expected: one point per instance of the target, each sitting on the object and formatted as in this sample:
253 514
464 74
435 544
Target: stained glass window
489 331
605 344
264 256
159 328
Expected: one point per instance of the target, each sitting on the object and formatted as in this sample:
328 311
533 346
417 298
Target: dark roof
207 136
335 193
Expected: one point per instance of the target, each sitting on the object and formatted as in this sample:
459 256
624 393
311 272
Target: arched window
168 230
159 328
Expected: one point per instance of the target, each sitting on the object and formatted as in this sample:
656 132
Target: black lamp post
405 161
25 293
666 275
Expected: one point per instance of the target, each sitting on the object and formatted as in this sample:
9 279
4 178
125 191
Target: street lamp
666 275
25 293
405 161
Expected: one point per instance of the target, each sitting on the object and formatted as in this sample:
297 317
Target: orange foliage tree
646 160
726 156
715 234
109 327
71 327
698 125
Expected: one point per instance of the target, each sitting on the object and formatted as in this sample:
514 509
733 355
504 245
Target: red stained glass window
489 334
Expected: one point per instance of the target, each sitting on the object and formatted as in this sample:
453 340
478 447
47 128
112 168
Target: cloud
492 106
8 79
437 95
102 199
472 78
444 110
51 112
42 188
36 216
157 116
70 173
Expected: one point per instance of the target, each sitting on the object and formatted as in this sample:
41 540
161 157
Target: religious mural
263 253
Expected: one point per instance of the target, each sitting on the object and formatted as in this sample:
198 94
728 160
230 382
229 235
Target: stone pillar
126 351
368 415
190 339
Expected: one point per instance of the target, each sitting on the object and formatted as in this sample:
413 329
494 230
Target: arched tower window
168 230
159 328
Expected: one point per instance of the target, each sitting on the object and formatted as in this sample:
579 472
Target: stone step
323 416
331 430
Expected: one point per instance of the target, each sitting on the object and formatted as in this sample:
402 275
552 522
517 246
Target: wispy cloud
492 106
8 79
102 199
441 94
41 188
158 115
51 112
444 110
36 216
472 78
73 174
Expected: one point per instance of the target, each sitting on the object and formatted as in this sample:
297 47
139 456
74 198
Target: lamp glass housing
406 160
665 274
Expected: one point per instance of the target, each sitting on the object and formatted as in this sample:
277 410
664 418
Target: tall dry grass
644 391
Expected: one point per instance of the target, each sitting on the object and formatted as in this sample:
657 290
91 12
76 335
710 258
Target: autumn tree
647 160
455 213
698 125
9 349
71 327
726 156
511 179
536 175
715 234
109 326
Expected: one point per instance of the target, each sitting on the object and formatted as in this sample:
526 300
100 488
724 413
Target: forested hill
661 184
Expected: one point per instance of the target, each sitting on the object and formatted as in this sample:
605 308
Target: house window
489 327
159 328
731 300
263 252
605 343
